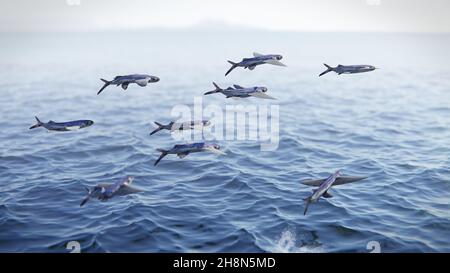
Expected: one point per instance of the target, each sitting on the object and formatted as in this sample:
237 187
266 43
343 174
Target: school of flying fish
106 191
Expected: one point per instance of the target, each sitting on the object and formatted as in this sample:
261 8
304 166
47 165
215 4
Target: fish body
322 190
348 69
62 126
238 91
180 126
104 192
257 59
324 186
183 150
124 81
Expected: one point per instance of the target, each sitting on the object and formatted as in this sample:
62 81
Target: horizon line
218 29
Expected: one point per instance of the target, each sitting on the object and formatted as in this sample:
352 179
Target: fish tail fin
84 200
329 69
163 154
307 202
38 124
217 87
217 90
87 197
160 127
104 86
233 66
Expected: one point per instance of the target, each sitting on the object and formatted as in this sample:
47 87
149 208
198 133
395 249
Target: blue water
392 125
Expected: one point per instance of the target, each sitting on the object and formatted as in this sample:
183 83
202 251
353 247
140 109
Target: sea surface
392 125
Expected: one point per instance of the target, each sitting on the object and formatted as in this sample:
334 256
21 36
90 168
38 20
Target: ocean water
392 125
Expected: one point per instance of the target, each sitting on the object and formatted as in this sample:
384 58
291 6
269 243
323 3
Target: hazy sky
301 15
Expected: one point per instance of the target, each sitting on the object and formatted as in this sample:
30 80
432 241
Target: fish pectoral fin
215 151
182 155
84 200
275 62
142 83
262 95
72 128
125 190
252 67
327 195
233 97
342 180
124 86
313 183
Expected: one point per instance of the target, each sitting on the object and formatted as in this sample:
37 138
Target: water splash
288 243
